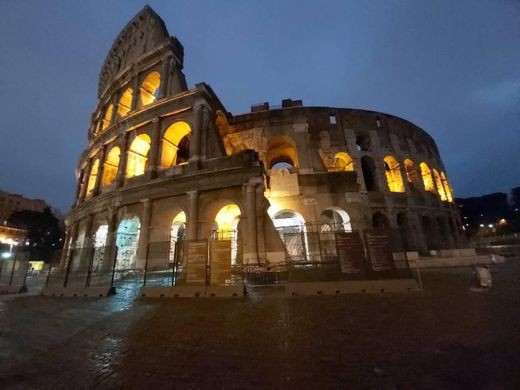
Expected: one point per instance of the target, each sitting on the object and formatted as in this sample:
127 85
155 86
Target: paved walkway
449 336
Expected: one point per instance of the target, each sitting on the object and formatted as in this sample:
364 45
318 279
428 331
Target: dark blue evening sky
451 67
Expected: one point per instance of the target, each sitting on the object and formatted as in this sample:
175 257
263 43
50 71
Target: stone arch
177 230
393 174
281 149
127 240
175 144
111 166
335 218
438 184
138 155
369 173
94 171
149 90
292 230
125 103
405 232
412 174
427 178
363 143
107 118
447 187
343 162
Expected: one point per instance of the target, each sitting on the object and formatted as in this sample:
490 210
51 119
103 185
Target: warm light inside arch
447 187
150 88
393 174
125 103
343 162
108 117
137 156
438 184
92 177
175 145
427 177
111 166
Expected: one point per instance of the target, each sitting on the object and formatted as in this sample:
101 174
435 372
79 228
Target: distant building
10 203
12 237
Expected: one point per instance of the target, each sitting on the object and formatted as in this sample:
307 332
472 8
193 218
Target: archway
393 174
107 118
363 143
440 187
380 221
281 153
150 88
404 231
176 236
369 173
427 177
291 228
343 162
447 187
429 233
226 222
93 177
127 239
125 103
411 173
176 145
111 166
100 240
137 156
335 219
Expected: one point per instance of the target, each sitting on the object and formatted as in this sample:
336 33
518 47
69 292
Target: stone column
142 247
120 179
153 159
72 232
115 105
86 249
196 135
110 244
101 168
166 71
193 215
251 257
301 136
177 83
136 87
86 177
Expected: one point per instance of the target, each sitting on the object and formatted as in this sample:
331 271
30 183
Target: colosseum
166 164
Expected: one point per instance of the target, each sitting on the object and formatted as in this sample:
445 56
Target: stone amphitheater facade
166 162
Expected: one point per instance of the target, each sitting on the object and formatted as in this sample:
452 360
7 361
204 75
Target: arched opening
427 177
107 119
363 143
125 103
176 236
343 162
100 240
291 228
137 156
127 239
380 221
150 88
440 187
447 187
111 166
335 219
281 153
369 173
404 231
429 233
412 174
93 177
226 222
393 174
176 145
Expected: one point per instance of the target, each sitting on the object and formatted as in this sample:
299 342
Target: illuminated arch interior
150 88
126 241
125 103
177 234
227 220
291 228
427 177
343 162
108 116
440 187
447 187
393 174
411 172
100 239
92 177
176 145
281 149
111 166
335 219
137 156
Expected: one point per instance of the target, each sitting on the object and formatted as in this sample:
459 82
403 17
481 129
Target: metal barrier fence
18 275
314 252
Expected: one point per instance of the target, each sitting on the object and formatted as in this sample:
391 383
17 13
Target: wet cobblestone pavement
449 336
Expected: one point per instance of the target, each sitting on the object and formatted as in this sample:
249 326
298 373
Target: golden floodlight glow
150 88
440 187
92 178
125 103
343 162
137 156
427 177
281 148
111 166
175 144
447 187
227 218
393 174
411 172
179 218
108 116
